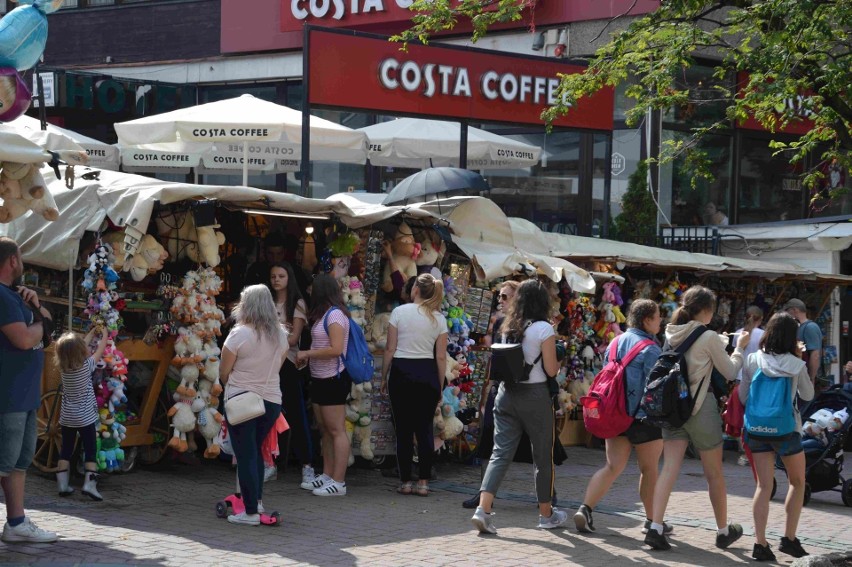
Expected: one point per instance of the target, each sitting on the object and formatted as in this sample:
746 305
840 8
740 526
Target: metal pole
71 258
463 145
245 163
306 115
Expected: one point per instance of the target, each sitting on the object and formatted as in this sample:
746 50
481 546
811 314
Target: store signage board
800 128
442 81
277 24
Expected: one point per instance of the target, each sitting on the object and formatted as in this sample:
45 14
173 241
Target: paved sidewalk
166 516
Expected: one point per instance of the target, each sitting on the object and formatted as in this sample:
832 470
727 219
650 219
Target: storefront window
546 194
708 203
599 185
705 105
770 188
626 153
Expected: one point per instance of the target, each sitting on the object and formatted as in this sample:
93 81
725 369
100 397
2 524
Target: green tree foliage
794 59
638 219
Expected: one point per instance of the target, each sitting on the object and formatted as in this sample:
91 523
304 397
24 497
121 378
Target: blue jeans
17 441
247 439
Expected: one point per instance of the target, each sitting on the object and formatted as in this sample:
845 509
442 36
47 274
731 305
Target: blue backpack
769 409
357 360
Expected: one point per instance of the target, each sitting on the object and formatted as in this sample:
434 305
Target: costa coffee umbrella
243 133
415 142
434 183
101 154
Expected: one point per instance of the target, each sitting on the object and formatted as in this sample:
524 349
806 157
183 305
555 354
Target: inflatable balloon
14 95
23 33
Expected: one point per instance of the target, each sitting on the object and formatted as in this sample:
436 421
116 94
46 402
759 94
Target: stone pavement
166 516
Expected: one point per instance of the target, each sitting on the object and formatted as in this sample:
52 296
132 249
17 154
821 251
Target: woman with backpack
643 322
330 383
414 365
525 406
779 358
704 426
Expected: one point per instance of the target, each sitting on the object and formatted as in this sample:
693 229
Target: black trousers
89 437
296 411
414 395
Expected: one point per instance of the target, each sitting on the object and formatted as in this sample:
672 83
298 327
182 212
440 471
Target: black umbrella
435 182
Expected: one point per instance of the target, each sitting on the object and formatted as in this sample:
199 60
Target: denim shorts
17 441
704 428
784 446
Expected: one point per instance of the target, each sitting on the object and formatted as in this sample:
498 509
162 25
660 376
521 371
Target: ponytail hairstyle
640 310
325 294
531 304
694 300
431 292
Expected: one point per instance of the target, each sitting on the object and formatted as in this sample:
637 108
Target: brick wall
132 33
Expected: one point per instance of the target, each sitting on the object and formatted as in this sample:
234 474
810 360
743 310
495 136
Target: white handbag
243 407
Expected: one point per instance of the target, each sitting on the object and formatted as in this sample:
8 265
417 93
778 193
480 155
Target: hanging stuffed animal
404 250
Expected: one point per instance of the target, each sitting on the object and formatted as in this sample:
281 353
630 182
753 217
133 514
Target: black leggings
296 411
414 395
89 437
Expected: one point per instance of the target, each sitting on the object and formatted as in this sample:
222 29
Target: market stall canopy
420 143
483 232
101 154
599 249
16 148
434 183
128 200
239 133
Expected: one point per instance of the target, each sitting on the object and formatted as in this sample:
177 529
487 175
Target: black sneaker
763 552
472 502
793 547
735 532
657 540
583 520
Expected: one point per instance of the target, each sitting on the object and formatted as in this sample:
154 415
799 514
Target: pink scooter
234 502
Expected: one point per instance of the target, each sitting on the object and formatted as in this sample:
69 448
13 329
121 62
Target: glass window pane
836 177
599 183
705 105
707 203
99 2
626 153
770 187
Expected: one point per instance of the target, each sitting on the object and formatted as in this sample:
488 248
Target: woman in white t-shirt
525 407
330 383
413 369
251 358
292 313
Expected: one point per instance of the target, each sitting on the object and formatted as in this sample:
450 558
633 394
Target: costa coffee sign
442 81
328 11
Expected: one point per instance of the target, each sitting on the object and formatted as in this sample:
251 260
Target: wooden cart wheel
49 441
160 429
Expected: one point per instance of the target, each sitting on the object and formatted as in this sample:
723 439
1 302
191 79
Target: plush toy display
185 240
405 252
353 297
183 422
148 259
22 188
209 424
379 331
432 249
358 415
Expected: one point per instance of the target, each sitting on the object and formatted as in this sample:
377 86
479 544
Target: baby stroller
824 462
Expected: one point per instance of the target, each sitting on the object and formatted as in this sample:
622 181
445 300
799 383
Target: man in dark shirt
21 364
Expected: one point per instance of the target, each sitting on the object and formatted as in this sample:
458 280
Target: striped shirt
328 367
79 406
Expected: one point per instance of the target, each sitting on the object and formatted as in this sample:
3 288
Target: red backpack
605 406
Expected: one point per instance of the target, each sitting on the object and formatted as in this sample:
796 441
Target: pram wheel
846 493
221 509
807 494
774 488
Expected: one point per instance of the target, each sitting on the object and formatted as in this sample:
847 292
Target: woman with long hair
643 323
252 355
330 383
704 427
292 313
779 357
415 360
525 407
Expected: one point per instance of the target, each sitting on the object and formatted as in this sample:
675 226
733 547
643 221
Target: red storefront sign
798 128
265 25
442 81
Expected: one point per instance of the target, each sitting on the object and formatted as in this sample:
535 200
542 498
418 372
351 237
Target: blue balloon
23 34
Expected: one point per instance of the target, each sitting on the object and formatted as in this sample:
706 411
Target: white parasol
419 143
238 133
101 154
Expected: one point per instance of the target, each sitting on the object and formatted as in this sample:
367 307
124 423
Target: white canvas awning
420 143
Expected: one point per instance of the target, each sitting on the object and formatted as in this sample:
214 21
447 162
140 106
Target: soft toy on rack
147 260
341 249
351 288
432 249
405 251
183 422
724 309
359 420
209 425
670 295
186 240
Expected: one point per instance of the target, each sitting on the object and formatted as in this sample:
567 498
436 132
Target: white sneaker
308 475
483 521
331 489
28 532
318 481
245 519
270 473
556 519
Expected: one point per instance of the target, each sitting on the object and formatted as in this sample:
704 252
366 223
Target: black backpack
507 360
667 401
